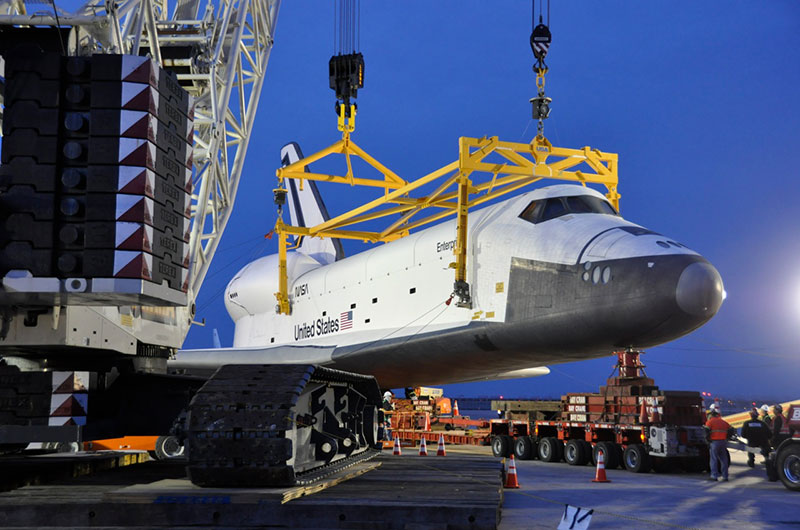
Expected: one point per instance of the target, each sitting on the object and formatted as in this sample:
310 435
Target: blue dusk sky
700 100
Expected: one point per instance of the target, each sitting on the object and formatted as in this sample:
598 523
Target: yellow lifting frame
522 164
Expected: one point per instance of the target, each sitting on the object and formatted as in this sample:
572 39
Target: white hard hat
713 406
765 408
388 393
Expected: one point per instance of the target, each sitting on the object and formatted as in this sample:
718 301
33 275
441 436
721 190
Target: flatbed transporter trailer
636 446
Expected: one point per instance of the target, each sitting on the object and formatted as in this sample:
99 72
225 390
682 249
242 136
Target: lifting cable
346 67
540 45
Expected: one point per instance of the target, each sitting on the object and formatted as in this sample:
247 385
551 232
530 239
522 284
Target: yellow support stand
283 288
511 166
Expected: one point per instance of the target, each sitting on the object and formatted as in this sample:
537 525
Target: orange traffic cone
427 422
440 450
397 450
655 417
455 409
600 476
511 474
643 414
423 449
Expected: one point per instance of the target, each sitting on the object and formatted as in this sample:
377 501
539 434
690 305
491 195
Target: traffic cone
455 409
643 414
423 449
511 474
440 450
427 422
655 417
397 450
600 475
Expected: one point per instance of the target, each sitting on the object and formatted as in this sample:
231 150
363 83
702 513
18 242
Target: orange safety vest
719 428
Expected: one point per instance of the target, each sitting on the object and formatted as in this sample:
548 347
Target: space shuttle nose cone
699 291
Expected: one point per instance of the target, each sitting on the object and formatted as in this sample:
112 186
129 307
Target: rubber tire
636 459
523 448
165 448
448 427
792 453
610 450
575 453
500 445
550 449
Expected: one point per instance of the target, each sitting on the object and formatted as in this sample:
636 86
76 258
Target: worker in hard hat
387 407
757 435
780 426
765 415
711 409
719 460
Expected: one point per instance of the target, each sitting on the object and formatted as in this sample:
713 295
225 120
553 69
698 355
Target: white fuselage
384 300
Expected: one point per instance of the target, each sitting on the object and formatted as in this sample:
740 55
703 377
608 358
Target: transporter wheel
788 464
523 448
448 427
500 445
550 450
168 447
636 459
610 450
575 453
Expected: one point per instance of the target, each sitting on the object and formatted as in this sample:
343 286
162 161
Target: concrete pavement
673 500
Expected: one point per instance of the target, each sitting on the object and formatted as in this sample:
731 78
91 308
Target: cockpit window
598 205
554 208
578 205
546 209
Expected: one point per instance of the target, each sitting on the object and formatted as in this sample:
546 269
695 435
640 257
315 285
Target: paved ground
650 500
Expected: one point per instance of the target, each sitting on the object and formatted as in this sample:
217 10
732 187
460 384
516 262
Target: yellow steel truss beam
512 166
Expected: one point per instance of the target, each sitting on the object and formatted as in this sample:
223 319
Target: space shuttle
557 275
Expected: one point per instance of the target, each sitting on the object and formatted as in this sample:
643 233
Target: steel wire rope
742 350
564 374
214 296
245 242
58 26
716 366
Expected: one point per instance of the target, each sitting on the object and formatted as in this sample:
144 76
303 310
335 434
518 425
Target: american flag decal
346 320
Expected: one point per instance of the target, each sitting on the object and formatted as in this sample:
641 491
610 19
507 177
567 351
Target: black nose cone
699 291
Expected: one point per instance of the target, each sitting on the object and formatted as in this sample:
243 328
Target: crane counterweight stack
125 132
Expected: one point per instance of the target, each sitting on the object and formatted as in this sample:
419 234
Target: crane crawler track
279 425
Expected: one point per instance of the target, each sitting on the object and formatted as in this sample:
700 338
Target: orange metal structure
137 443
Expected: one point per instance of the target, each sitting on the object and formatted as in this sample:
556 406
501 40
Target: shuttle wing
213 358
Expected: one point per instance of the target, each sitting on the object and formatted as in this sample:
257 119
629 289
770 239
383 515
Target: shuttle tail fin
307 209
